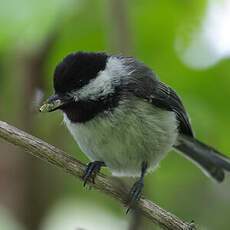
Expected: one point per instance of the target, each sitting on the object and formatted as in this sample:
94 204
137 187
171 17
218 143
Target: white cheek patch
105 82
99 87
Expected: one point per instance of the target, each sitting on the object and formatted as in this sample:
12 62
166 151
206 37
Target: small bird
123 117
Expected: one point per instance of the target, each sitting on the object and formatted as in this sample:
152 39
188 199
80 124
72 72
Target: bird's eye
80 83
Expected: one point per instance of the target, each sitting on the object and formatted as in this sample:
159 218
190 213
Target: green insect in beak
53 103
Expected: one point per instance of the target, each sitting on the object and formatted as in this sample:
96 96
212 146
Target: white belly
128 136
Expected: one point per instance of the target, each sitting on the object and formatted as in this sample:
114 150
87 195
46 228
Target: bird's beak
53 103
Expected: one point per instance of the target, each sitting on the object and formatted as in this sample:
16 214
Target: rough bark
103 183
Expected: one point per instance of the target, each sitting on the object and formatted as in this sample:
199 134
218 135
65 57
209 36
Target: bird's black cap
74 72
77 69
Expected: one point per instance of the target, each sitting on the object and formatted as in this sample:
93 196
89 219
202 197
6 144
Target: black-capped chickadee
123 117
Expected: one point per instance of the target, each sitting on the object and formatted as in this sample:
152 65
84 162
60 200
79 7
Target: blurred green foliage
177 185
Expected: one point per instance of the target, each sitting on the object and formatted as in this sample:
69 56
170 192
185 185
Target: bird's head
84 85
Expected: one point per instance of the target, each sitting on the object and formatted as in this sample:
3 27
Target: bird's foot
91 171
135 194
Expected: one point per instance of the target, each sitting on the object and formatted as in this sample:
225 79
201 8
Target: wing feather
164 97
168 99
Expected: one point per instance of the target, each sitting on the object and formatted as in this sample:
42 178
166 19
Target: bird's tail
210 160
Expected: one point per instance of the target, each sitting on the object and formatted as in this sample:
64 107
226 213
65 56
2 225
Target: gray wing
166 98
144 84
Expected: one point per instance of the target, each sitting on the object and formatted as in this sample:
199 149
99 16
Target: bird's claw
135 194
91 171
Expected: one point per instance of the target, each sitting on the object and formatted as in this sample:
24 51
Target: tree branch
59 158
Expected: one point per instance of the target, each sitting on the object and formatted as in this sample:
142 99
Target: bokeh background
186 42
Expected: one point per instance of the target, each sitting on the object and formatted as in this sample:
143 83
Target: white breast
123 139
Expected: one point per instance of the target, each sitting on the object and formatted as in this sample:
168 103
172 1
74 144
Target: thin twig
103 183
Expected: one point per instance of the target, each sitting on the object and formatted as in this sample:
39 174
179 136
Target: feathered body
127 134
121 114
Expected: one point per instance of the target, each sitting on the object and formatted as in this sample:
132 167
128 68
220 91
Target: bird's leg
91 171
136 190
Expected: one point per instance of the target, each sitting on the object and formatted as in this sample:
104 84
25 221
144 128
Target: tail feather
213 162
